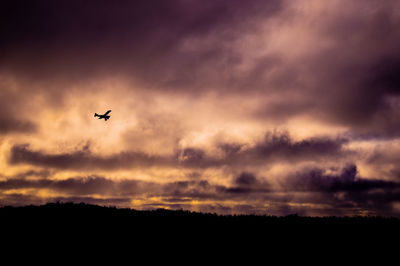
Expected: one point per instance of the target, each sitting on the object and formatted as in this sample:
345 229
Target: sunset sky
227 106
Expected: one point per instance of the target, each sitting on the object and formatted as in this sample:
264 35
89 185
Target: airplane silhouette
105 116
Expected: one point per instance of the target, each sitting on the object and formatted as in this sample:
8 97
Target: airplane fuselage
105 116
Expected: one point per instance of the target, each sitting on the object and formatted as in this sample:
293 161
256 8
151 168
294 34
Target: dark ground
86 217
84 225
71 231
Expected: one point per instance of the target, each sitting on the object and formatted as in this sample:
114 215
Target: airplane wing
107 112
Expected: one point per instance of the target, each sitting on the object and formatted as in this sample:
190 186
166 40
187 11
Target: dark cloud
19 199
97 185
357 77
30 174
84 186
144 40
246 179
84 159
275 147
318 180
341 194
377 202
351 80
375 114
179 44
191 155
13 125
230 148
282 146
345 192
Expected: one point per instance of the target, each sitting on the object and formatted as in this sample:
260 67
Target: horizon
259 107
57 206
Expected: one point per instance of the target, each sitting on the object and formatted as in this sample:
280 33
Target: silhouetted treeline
83 221
76 214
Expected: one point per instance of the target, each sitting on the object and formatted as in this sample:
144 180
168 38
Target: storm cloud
155 41
346 192
274 147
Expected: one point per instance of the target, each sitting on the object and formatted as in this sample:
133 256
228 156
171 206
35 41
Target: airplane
105 116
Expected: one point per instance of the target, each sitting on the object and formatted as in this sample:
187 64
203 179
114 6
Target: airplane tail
95 114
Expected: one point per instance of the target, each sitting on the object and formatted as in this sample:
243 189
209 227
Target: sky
231 107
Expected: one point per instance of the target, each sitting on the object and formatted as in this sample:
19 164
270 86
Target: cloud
92 185
340 194
357 73
317 180
168 44
274 147
12 118
345 191
384 160
12 125
97 185
282 146
177 45
84 159
30 174
246 179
